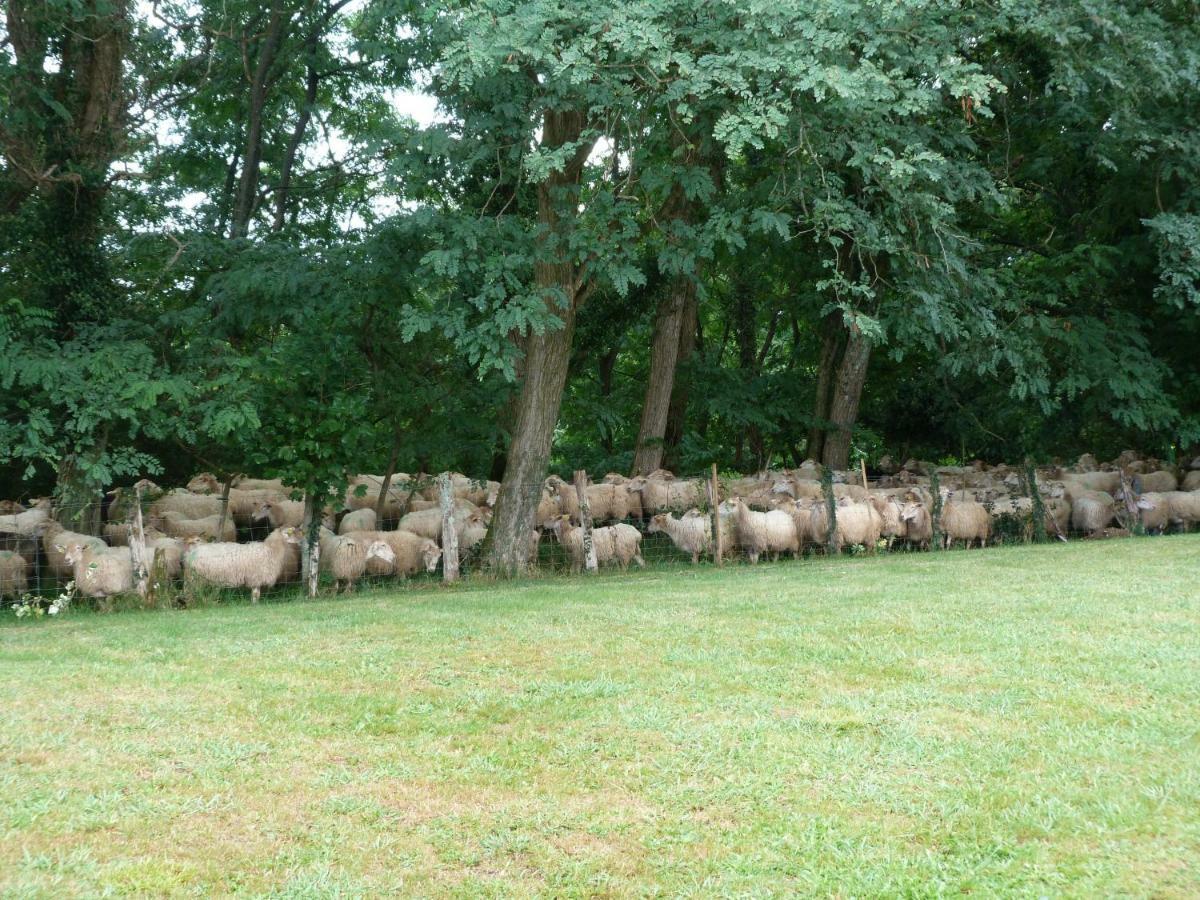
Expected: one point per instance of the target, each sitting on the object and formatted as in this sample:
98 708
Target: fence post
862 462
831 542
1035 497
936 488
224 504
449 532
310 546
585 521
714 500
137 546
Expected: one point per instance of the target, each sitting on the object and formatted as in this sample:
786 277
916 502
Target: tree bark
677 413
844 399
664 357
247 192
547 355
832 335
312 82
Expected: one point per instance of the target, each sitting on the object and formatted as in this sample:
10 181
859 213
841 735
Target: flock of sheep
193 532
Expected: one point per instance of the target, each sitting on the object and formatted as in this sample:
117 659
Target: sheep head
431 553
381 550
657 524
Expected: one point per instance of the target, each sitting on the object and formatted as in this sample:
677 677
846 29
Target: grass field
1023 721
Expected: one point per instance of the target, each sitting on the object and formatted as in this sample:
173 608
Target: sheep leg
637 558
255 593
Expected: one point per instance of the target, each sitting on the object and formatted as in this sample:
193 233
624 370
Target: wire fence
151 547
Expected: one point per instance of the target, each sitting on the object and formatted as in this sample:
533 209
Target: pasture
1020 721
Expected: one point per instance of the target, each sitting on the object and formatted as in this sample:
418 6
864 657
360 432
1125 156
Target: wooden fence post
310 546
137 546
585 521
935 487
831 541
1035 499
449 532
224 504
714 502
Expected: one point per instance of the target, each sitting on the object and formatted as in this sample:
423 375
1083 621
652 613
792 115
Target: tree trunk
677 414
607 365
547 355
832 335
843 402
664 357
312 82
247 192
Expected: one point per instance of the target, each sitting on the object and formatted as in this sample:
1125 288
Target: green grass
1022 721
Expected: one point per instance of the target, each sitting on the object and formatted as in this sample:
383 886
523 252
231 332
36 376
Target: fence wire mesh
214 544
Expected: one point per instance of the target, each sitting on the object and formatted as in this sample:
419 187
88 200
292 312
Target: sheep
851 492
56 540
1058 516
13 578
428 522
1108 482
1191 481
357 520
888 508
205 483
412 553
27 521
918 523
692 534
208 528
1184 508
255 565
99 571
185 503
1156 482
1091 511
615 543
260 484
1154 511
857 523
660 494
771 532
170 551
474 530
280 513
10 508
345 557
964 520
632 499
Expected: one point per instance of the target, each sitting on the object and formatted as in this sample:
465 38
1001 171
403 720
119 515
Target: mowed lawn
1020 721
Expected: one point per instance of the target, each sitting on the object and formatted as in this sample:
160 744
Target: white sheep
413 553
280 513
358 520
27 522
660 493
255 565
771 532
185 503
857 523
918 523
1184 508
1091 511
211 528
345 557
13 579
692 534
99 571
964 520
1191 481
620 543
1155 482
428 522
56 540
